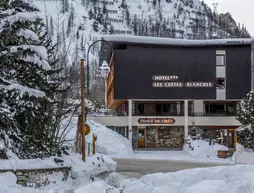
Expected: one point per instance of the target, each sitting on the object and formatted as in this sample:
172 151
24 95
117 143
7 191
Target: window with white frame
220 60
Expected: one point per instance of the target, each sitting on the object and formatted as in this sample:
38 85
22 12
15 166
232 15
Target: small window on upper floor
220 83
220 60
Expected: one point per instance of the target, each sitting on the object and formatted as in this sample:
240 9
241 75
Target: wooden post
83 144
235 139
94 139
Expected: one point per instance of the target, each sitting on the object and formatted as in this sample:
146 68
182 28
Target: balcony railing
111 112
219 114
157 114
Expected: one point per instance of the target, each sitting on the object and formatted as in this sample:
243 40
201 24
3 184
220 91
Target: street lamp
104 58
105 69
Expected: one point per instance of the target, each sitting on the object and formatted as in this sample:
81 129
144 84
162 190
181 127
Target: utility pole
83 118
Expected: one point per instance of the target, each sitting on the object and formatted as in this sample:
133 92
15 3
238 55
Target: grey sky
241 10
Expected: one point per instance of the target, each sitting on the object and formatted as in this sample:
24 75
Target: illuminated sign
172 81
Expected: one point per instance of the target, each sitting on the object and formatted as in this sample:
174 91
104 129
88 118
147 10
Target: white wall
198 106
179 121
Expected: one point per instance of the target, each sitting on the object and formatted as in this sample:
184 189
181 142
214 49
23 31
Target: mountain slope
75 24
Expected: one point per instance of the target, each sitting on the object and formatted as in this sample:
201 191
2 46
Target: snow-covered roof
173 41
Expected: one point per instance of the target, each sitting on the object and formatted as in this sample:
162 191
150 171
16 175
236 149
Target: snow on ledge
173 41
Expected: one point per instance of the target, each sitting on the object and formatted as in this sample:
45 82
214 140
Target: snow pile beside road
81 173
109 142
221 179
200 149
94 164
7 180
243 156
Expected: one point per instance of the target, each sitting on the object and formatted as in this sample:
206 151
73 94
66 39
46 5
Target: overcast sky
241 10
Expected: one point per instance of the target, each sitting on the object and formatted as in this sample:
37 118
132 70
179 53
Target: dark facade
238 71
135 66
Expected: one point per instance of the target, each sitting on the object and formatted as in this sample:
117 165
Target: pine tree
246 118
25 90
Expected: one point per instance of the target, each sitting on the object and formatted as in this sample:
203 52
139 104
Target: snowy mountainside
84 21
75 24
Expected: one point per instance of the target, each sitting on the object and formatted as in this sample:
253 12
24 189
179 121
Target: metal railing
218 114
112 112
157 114
103 112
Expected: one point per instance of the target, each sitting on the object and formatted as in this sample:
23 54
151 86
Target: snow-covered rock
201 149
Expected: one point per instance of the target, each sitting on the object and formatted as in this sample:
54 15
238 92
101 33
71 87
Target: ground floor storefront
172 137
158 137
224 135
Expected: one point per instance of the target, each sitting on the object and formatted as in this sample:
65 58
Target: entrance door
141 138
231 136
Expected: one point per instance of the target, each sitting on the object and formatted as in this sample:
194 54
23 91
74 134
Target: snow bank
7 180
210 180
95 164
97 187
18 164
201 149
243 156
109 142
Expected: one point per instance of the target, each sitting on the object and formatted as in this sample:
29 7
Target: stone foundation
38 177
164 137
161 137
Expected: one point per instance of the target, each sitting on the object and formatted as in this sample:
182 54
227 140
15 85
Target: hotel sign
156 121
172 81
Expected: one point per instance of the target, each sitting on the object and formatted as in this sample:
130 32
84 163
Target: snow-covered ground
233 179
80 175
223 179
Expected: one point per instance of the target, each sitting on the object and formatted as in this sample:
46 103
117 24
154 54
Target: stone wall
38 177
165 137
134 138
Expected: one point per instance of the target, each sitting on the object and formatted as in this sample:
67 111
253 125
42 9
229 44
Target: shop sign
172 81
156 121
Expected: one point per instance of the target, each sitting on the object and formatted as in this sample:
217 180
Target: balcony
112 112
150 114
217 114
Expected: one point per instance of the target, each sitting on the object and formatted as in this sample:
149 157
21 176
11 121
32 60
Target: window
220 83
169 109
220 60
121 131
228 109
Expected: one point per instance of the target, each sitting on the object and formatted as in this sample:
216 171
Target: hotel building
158 88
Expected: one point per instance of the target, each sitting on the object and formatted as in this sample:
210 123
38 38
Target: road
135 168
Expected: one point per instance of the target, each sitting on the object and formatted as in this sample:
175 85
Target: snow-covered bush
201 149
246 118
195 132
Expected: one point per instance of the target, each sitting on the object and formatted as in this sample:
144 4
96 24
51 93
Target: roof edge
173 41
